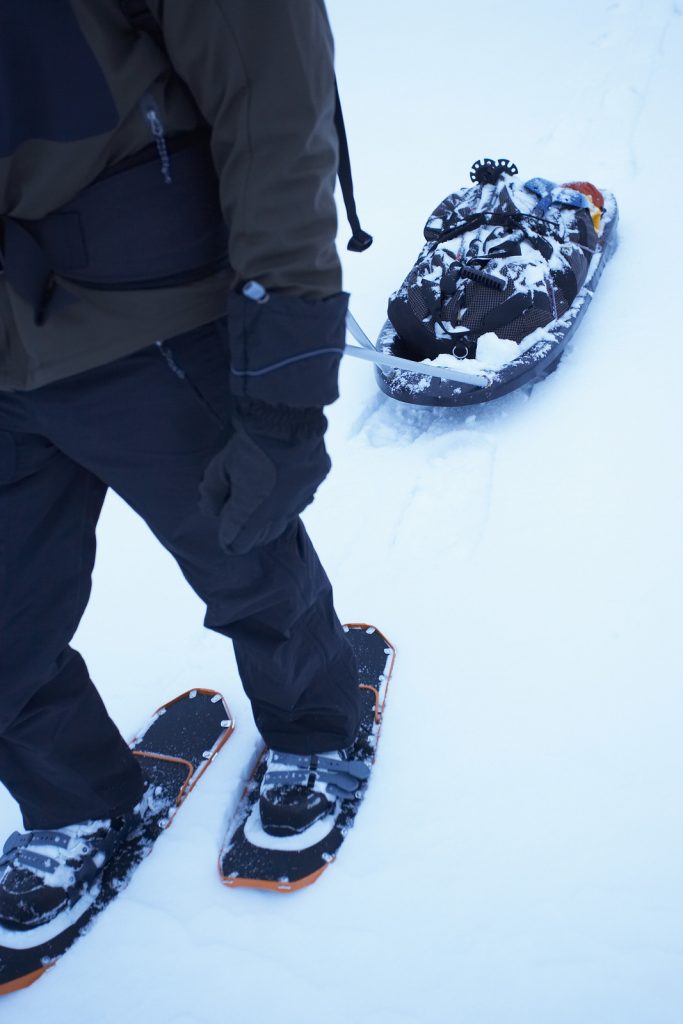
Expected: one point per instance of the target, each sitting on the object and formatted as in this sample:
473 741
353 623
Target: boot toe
26 904
289 810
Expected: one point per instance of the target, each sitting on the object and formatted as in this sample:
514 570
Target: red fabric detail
588 190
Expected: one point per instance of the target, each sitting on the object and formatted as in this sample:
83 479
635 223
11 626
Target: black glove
285 354
266 475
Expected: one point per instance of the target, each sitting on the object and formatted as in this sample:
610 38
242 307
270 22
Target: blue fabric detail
570 197
51 86
540 186
544 188
288 362
550 193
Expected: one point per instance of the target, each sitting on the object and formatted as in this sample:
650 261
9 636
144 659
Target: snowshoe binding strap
88 853
17 850
342 778
21 840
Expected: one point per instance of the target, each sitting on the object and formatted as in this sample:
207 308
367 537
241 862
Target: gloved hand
266 475
285 353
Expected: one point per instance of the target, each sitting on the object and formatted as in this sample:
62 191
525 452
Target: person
172 322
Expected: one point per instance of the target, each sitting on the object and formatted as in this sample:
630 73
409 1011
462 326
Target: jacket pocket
200 359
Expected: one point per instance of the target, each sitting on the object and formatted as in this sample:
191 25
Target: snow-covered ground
519 856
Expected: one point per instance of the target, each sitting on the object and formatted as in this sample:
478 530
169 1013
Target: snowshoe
503 280
296 810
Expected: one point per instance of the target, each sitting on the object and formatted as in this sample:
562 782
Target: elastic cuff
278 421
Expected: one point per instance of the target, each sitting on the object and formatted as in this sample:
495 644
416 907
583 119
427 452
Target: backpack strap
139 15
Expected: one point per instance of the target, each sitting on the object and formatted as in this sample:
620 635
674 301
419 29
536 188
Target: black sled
518 262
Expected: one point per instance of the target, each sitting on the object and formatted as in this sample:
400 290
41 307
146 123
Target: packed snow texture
518 858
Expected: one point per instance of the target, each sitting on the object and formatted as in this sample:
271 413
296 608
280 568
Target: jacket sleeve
261 72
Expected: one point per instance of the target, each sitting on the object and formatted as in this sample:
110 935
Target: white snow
519 856
13 939
494 352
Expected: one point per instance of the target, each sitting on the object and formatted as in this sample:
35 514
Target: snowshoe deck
254 859
175 749
531 366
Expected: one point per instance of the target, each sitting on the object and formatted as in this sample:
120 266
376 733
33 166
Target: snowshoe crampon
505 276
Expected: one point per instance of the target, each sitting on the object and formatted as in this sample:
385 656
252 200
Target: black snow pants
146 426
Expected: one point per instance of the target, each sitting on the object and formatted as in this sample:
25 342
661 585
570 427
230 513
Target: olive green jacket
76 81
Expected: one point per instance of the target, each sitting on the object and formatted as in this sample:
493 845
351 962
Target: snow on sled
505 276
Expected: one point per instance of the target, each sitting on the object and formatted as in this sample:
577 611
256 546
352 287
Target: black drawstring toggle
359 241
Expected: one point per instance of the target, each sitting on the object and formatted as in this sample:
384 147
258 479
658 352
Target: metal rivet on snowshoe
460 350
488 171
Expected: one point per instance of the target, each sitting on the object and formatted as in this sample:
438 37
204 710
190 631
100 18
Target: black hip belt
133 228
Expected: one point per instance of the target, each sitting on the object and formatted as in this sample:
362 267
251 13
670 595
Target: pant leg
61 756
148 425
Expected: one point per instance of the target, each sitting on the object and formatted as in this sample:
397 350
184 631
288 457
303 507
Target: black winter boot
44 872
299 789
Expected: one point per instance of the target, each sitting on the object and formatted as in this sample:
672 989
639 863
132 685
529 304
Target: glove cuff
286 350
278 421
